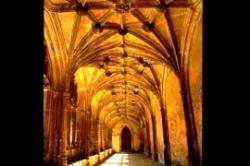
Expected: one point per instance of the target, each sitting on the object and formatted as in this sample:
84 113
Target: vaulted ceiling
121 48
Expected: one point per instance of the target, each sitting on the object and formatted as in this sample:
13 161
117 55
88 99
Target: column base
62 161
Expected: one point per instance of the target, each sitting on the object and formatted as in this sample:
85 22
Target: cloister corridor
122 75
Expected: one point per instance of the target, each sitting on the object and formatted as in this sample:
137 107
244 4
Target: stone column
62 158
69 127
101 137
167 154
46 124
86 133
88 117
56 106
154 138
74 123
193 149
98 136
82 130
148 140
94 135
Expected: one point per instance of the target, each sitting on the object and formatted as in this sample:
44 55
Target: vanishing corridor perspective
122 82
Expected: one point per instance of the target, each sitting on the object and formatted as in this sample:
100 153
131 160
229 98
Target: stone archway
126 139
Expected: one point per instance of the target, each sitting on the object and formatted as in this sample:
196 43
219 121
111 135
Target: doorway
126 139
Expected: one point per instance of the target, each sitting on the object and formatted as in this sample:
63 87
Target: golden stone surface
124 63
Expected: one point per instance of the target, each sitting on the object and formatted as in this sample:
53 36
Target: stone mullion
77 130
69 129
85 131
88 120
74 132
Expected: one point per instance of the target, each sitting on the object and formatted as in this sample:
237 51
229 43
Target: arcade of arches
122 75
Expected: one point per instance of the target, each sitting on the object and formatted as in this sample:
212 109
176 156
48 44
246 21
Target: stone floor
127 159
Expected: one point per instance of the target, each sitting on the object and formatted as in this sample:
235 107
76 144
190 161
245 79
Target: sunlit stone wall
196 80
176 121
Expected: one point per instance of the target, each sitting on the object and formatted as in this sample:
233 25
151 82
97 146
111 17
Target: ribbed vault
112 58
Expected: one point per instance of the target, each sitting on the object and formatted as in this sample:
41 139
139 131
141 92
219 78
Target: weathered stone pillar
87 131
81 120
74 123
167 153
148 140
154 138
56 107
107 138
192 140
47 125
110 138
98 136
69 126
103 136
94 135
76 129
62 158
